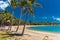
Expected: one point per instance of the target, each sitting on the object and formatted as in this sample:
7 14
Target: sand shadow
15 34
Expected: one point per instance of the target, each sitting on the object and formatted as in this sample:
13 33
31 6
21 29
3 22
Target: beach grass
2 36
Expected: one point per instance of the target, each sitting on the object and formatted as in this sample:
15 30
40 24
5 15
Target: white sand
37 35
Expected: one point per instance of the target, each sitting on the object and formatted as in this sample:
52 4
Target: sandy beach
36 35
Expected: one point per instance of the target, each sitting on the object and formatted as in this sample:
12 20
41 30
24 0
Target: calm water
55 29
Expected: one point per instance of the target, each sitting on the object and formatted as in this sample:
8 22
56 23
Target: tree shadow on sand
12 35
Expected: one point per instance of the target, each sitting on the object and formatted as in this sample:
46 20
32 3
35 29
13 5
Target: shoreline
36 35
53 36
41 34
38 25
42 31
36 30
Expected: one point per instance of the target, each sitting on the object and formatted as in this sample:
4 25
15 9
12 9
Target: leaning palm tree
30 3
22 3
13 6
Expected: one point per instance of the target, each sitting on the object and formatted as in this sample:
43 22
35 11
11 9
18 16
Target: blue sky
50 11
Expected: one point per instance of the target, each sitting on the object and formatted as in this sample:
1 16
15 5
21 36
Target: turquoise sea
54 29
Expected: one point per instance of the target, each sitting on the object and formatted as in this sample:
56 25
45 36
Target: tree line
25 6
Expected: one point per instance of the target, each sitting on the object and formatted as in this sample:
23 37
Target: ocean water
55 29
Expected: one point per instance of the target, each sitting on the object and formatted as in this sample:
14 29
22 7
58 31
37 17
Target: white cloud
53 18
56 18
9 1
3 4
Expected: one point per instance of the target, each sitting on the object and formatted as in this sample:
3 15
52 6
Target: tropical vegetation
7 19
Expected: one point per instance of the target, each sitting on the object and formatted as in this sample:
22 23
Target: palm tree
30 3
4 16
13 6
22 3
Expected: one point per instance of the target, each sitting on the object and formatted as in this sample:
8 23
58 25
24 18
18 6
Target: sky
50 11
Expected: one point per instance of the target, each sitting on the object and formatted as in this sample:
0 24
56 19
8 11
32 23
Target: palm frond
36 4
32 1
31 11
14 3
25 10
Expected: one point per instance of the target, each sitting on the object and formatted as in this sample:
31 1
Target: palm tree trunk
19 20
11 21
2 24
25 24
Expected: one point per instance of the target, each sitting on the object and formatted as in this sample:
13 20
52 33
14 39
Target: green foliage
5 16
14 3
43 23
32 1
27 4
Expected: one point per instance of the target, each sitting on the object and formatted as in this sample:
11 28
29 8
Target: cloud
45 18
56 18
3 5
9 1
51 18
